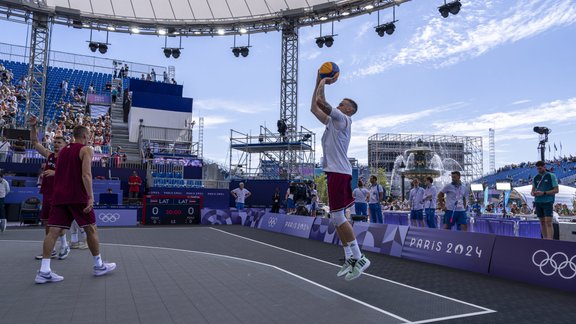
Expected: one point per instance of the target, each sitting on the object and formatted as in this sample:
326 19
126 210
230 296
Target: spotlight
328 40
175 53
380 30
450 8
244 51
243 30
161 31
236 51
135 30
167 52
388 28
102 48
320 42
93 46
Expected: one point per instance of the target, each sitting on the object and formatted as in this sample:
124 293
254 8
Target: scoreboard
171 210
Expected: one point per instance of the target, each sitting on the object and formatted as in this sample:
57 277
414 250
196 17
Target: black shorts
544 209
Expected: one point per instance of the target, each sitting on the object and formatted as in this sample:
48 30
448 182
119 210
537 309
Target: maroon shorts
339 191
63 215
45 213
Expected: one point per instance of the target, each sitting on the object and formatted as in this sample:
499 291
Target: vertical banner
461 250
542 262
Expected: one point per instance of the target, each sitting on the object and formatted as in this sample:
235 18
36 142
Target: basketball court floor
236 274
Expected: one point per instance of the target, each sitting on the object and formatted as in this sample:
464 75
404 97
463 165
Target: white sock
63 241
347 252
74 238
355 249
45 267
98 261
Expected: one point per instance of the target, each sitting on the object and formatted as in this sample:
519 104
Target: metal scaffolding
289 90
383 149
259 156
38 64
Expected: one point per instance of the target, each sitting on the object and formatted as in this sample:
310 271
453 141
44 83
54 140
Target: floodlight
320 42
450 8
244 51
167 52
236 51
476 187
328 40
390 28
243 30
135 30
93 46
162 31
221 31
102 48
111 28
175 53
503 186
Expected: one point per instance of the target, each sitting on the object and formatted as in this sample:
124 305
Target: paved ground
234 274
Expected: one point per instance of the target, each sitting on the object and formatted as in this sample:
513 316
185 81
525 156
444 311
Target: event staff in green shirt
544 187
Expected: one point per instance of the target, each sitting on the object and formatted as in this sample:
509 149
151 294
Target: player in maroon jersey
48 184
73 199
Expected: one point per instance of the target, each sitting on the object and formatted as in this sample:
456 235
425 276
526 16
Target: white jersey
431 202
417 198
375 191
360 195
240 194
455 195
335 141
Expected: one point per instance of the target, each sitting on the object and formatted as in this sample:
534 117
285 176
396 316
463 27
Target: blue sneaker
104 269
44 277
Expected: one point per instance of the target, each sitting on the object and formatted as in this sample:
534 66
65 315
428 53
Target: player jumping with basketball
335 142
48 185
73 199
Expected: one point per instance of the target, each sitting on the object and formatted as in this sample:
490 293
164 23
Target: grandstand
523 173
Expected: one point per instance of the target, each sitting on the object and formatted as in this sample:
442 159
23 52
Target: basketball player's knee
338 220
90 229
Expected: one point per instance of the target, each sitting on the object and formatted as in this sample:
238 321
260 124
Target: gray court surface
206 275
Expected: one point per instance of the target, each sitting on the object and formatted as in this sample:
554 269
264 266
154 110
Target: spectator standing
430 194
114 95
153 74
126 103
64 87
4 149
240 194
290 205
455 194
4 190
416 203
19 150
361 197
134 182
276 201
544 189
166 79
376 195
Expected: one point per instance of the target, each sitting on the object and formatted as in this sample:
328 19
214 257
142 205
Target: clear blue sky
498 63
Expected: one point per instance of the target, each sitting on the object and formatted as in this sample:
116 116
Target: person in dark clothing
276 201
126 105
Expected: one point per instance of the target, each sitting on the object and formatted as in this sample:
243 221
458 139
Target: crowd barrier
535 261
107 216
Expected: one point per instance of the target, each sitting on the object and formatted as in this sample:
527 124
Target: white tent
565 195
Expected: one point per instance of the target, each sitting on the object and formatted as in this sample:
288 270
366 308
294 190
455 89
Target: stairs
120 130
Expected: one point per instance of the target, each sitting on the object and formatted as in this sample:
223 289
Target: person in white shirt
416 203
4 190
4 149
376 196
361 196
240 194
430 194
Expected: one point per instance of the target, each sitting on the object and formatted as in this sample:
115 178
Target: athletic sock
45 267
355 249
98 261
63 241
74 237
347 252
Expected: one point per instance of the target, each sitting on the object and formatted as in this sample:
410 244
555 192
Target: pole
403 193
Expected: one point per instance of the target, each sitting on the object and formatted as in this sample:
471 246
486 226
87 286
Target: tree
321 187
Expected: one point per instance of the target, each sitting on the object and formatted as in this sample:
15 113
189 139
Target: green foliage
322 188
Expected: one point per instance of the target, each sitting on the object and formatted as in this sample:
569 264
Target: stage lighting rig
327 40
93 46
172 51
450 8
241 50
98 46
387 28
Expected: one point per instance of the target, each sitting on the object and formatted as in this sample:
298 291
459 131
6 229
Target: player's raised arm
34 138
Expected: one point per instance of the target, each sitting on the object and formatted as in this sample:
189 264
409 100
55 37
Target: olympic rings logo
109 217
272 221
557 262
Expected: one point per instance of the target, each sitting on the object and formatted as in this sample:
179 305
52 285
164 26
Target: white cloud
231 105
519 102
363 29
480 27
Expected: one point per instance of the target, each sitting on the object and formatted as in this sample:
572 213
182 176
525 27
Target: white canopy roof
565 195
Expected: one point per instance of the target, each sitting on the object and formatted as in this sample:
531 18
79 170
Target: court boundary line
484 311
365 304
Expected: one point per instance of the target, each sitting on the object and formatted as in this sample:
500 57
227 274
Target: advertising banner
116 217
253 216
536 261
272 222
461 250
381 238
394 237
324 231
212 216
299 226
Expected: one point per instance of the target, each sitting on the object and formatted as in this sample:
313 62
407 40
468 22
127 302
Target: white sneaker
361 264
346 267
104 269
44 277
63 254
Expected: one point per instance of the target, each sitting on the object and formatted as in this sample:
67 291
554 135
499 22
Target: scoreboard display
171 210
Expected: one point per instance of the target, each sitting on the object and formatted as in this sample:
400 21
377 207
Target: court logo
109 217
558 262
272 221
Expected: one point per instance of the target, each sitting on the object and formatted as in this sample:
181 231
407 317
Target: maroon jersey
48 182
68 185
